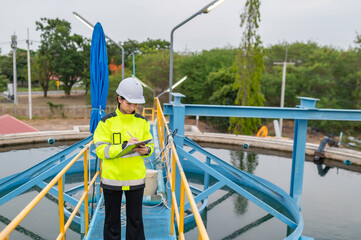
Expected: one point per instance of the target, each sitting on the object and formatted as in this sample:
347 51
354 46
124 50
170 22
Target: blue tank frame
301 114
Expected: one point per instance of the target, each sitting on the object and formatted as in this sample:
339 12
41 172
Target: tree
62 50
43 72
197 67
249 64
133 46
219 85
3 82
148 46
86 70
6 65
358 38
154 70
323 72
21 65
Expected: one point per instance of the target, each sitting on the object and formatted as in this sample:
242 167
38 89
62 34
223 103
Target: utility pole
285 63
133 65
13 46
29 79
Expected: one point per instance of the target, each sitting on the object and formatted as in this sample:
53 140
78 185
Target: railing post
86 204
173 172
97 181
181 210
172 219
299 151
61 206
100 175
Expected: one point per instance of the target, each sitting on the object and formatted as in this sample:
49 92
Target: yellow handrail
163 131
58 179
177 215
152 114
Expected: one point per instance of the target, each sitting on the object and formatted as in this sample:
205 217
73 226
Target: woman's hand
133 140
142 149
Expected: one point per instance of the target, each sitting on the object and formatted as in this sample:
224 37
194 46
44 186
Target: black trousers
112 225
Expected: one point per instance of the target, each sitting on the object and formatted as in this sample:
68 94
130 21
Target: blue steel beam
298 159
252 180
50 172
267 112
178 123
238 189
67 197
288 202
205 194
306 111
94 220
21 177
75 189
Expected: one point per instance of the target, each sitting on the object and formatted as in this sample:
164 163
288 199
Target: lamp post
91 26
29 79
283 85
209 7
173 86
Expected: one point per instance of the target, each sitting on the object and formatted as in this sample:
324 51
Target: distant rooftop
9 124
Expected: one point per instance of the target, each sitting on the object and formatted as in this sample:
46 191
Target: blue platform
156 221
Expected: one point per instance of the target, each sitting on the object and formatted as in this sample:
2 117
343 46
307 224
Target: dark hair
121 97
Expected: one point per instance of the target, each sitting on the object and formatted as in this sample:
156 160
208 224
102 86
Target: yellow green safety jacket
110 138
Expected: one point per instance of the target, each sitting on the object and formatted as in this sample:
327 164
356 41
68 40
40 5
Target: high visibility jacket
110 138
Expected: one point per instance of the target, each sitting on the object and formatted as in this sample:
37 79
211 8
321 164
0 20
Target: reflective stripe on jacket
110 137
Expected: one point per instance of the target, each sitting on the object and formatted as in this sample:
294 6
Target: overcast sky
327 22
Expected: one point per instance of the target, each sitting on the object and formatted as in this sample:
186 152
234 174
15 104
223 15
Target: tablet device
130 146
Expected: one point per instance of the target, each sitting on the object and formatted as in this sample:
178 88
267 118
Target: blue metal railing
305 111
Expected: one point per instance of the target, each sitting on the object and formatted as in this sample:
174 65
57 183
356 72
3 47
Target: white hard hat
131 90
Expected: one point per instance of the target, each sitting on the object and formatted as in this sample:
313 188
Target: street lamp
209 7
91 26
173 86
145 85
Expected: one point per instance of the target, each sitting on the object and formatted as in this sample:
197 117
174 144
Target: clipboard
130 146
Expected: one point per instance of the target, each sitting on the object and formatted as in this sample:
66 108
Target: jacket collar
124 116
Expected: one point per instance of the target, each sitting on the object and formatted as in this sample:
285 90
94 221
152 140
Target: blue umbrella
99 78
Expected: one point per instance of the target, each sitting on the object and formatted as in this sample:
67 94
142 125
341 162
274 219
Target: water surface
331 202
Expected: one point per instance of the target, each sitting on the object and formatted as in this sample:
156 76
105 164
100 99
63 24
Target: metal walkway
156 221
